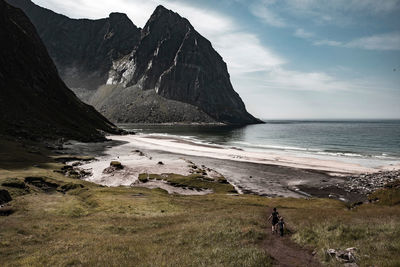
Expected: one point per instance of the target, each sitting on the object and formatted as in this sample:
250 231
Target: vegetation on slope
62 221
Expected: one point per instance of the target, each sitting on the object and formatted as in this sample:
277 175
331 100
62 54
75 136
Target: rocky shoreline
370 182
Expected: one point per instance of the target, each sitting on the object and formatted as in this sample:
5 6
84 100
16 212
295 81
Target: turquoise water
370 142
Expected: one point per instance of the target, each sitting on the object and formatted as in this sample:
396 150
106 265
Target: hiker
281 225
275 219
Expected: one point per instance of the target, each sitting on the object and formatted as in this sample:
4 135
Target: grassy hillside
67 222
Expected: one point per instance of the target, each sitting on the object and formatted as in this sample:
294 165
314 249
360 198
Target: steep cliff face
173 59
34 101
168 56
82 49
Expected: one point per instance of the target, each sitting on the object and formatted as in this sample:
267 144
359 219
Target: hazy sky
290 58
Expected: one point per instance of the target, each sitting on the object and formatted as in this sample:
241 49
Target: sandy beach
266 174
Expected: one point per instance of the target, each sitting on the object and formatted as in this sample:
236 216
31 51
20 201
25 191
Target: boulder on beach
114 166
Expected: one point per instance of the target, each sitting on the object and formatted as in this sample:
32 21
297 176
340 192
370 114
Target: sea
370 143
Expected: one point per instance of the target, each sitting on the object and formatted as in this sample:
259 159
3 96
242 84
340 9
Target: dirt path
287 253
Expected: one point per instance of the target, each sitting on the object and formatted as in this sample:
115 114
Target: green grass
390 195
373 229
192 181
125 226
94 225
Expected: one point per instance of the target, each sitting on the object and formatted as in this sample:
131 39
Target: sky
290 59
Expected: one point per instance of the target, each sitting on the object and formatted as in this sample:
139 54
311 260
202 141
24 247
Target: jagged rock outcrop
173 59
82 49
168 56
34 101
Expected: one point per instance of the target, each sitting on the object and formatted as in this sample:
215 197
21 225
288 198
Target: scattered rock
70 186
116 164
222 180
66 168
160 163
41 183
4 196
15 183
370 182
143 177
346 256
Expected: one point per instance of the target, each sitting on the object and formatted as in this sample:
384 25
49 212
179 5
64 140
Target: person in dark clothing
281 225
275 219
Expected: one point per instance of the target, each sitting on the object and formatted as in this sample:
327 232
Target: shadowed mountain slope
82 49
168 56
34 101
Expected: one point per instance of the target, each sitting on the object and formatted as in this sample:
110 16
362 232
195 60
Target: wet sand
265 174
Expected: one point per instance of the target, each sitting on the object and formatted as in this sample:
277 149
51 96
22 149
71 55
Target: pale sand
134 164
174 145
267 174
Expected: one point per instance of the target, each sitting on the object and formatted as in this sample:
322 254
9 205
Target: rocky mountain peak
175 61
164 20
118 15
162 11
168 58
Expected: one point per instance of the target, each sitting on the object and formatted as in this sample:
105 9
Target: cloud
385 41
281 78
301 33
262 11
339 12
328 42
244 53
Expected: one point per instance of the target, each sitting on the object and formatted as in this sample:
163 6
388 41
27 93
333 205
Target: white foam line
174 145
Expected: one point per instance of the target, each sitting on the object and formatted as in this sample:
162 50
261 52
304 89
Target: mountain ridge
168 56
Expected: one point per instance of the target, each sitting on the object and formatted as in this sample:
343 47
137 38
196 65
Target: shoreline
184 146
264 174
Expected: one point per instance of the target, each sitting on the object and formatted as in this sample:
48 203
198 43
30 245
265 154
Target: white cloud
328 42
262 11
244 53
386 41
301 33
281 78
338 12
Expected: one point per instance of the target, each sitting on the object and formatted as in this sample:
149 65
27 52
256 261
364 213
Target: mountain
82 49
34 101
166 72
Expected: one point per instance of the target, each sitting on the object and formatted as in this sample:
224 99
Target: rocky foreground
370 182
